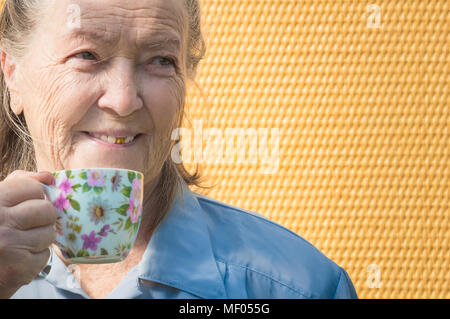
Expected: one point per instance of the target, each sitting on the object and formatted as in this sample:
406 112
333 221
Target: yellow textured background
364 122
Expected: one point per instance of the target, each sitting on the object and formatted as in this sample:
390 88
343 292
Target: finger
34 240
35 263
43 176
19 189
40 259
31 214
17 173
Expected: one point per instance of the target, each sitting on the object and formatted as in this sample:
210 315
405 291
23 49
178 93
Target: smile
114 140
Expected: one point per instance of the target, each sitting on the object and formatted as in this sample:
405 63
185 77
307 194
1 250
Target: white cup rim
98 168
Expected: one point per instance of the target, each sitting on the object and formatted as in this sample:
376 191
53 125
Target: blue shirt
208 249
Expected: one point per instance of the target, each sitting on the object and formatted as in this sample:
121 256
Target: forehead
112 20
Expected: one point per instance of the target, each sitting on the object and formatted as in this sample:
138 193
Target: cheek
164 98
54 103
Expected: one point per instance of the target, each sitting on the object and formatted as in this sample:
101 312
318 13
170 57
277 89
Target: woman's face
111 68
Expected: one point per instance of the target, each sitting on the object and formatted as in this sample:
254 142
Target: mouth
115 141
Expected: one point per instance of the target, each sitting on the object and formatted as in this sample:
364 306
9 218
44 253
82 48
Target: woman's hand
26 229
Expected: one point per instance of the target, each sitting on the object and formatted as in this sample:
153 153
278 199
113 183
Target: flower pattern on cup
96 178
123 249
104 231
115 181
133 211
66 186
136 190
61 203
99 210
108 217
72 237
93 180
91 241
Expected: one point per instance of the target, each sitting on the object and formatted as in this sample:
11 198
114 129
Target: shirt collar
180 253
61 276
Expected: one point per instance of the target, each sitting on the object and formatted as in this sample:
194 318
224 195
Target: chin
96 161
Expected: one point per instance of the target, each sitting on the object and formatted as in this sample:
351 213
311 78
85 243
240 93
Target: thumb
44 177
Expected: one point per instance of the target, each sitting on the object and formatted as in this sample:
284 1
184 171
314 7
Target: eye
164 61
86 55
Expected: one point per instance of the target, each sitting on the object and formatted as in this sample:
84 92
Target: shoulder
267 251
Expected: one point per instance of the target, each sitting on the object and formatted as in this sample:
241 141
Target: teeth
109 139
129 139
114 140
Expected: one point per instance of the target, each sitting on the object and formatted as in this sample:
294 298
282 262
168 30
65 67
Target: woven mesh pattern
360 98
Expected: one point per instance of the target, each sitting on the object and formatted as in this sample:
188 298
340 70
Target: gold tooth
120 140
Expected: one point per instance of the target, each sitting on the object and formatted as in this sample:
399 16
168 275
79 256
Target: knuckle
16 173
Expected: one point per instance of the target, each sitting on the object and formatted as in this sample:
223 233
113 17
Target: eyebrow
149 42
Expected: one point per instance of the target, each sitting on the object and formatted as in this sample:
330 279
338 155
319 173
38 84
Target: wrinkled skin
69 83
113 84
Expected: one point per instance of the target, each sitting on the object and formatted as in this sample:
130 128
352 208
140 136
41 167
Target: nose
121 89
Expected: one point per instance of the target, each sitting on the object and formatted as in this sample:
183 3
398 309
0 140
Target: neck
149 211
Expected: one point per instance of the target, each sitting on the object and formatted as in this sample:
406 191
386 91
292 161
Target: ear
9 69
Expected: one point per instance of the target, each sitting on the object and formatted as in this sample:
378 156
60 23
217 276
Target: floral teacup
99 213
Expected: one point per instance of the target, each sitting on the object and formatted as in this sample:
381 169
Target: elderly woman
73 70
